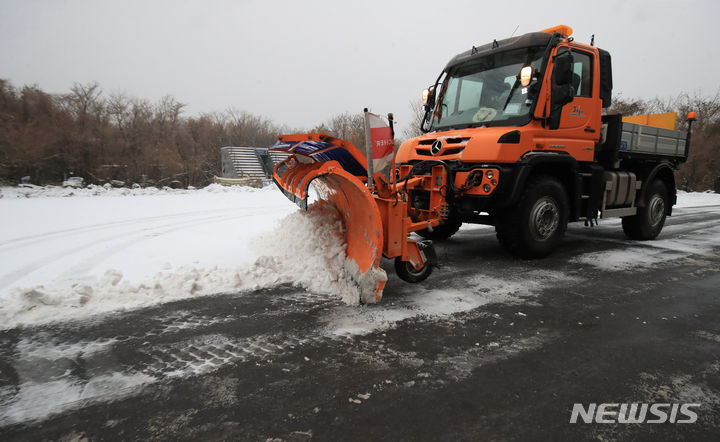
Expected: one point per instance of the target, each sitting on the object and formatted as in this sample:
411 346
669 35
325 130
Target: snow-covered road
70 253
488 345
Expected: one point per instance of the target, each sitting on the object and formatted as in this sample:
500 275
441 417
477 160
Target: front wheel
650 219
408 273
534 227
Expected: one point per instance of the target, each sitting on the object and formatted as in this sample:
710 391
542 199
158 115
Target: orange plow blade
337 169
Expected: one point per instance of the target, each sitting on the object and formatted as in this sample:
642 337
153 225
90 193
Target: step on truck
515 136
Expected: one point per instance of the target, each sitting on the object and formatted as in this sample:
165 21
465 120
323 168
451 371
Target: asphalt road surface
488 348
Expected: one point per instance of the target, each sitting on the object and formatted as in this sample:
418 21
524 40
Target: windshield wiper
512 90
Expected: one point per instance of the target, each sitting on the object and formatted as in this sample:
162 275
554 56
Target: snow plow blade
337 168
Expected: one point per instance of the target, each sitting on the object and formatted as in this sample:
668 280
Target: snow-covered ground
70 253
697 199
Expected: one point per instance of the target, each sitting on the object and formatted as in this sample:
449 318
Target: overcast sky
301 62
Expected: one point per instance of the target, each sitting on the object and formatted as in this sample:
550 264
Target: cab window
582 74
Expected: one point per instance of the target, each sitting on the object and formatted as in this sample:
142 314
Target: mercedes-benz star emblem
436 147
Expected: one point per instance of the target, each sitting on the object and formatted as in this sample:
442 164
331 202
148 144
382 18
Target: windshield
487 91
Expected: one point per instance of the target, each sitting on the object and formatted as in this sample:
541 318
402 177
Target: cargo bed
624 140
640 139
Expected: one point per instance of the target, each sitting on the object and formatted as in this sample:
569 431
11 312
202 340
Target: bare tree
50 136
418 113
246 129
118 107
85 101
167 111
346 126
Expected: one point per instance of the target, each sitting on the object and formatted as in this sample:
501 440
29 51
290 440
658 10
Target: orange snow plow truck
515 137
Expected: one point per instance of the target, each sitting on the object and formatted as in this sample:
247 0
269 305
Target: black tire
407 273
534 227
444 230
650 219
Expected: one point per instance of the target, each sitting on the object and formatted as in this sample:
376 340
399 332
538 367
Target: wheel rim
411 270
657 210
544 218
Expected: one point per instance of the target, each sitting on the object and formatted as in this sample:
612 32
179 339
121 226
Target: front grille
456 140
451 146
426 152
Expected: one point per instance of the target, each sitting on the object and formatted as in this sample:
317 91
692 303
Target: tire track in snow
675 226
88 263
137 235
34 239
58 374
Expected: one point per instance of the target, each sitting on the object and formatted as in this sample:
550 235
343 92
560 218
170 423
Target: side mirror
563 69
428 100
526 74
428 97
562 91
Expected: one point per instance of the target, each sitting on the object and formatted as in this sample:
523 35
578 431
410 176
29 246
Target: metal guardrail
249 162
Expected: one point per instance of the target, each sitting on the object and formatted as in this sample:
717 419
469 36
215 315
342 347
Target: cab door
580 121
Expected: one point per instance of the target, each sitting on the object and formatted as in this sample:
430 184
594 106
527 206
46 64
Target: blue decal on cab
577 111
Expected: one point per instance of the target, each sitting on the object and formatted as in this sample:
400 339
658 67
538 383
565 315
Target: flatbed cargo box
637 139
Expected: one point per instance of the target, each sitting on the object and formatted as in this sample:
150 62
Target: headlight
490 174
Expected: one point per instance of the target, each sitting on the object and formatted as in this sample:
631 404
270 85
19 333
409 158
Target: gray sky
301 62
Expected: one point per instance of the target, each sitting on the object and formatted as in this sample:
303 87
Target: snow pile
697 199
74 188
308 249
110 292
74 181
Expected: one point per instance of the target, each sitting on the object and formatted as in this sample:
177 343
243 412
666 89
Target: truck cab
508 84
508 116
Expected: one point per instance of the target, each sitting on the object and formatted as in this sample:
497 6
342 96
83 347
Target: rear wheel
534 227
650 219
444 230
